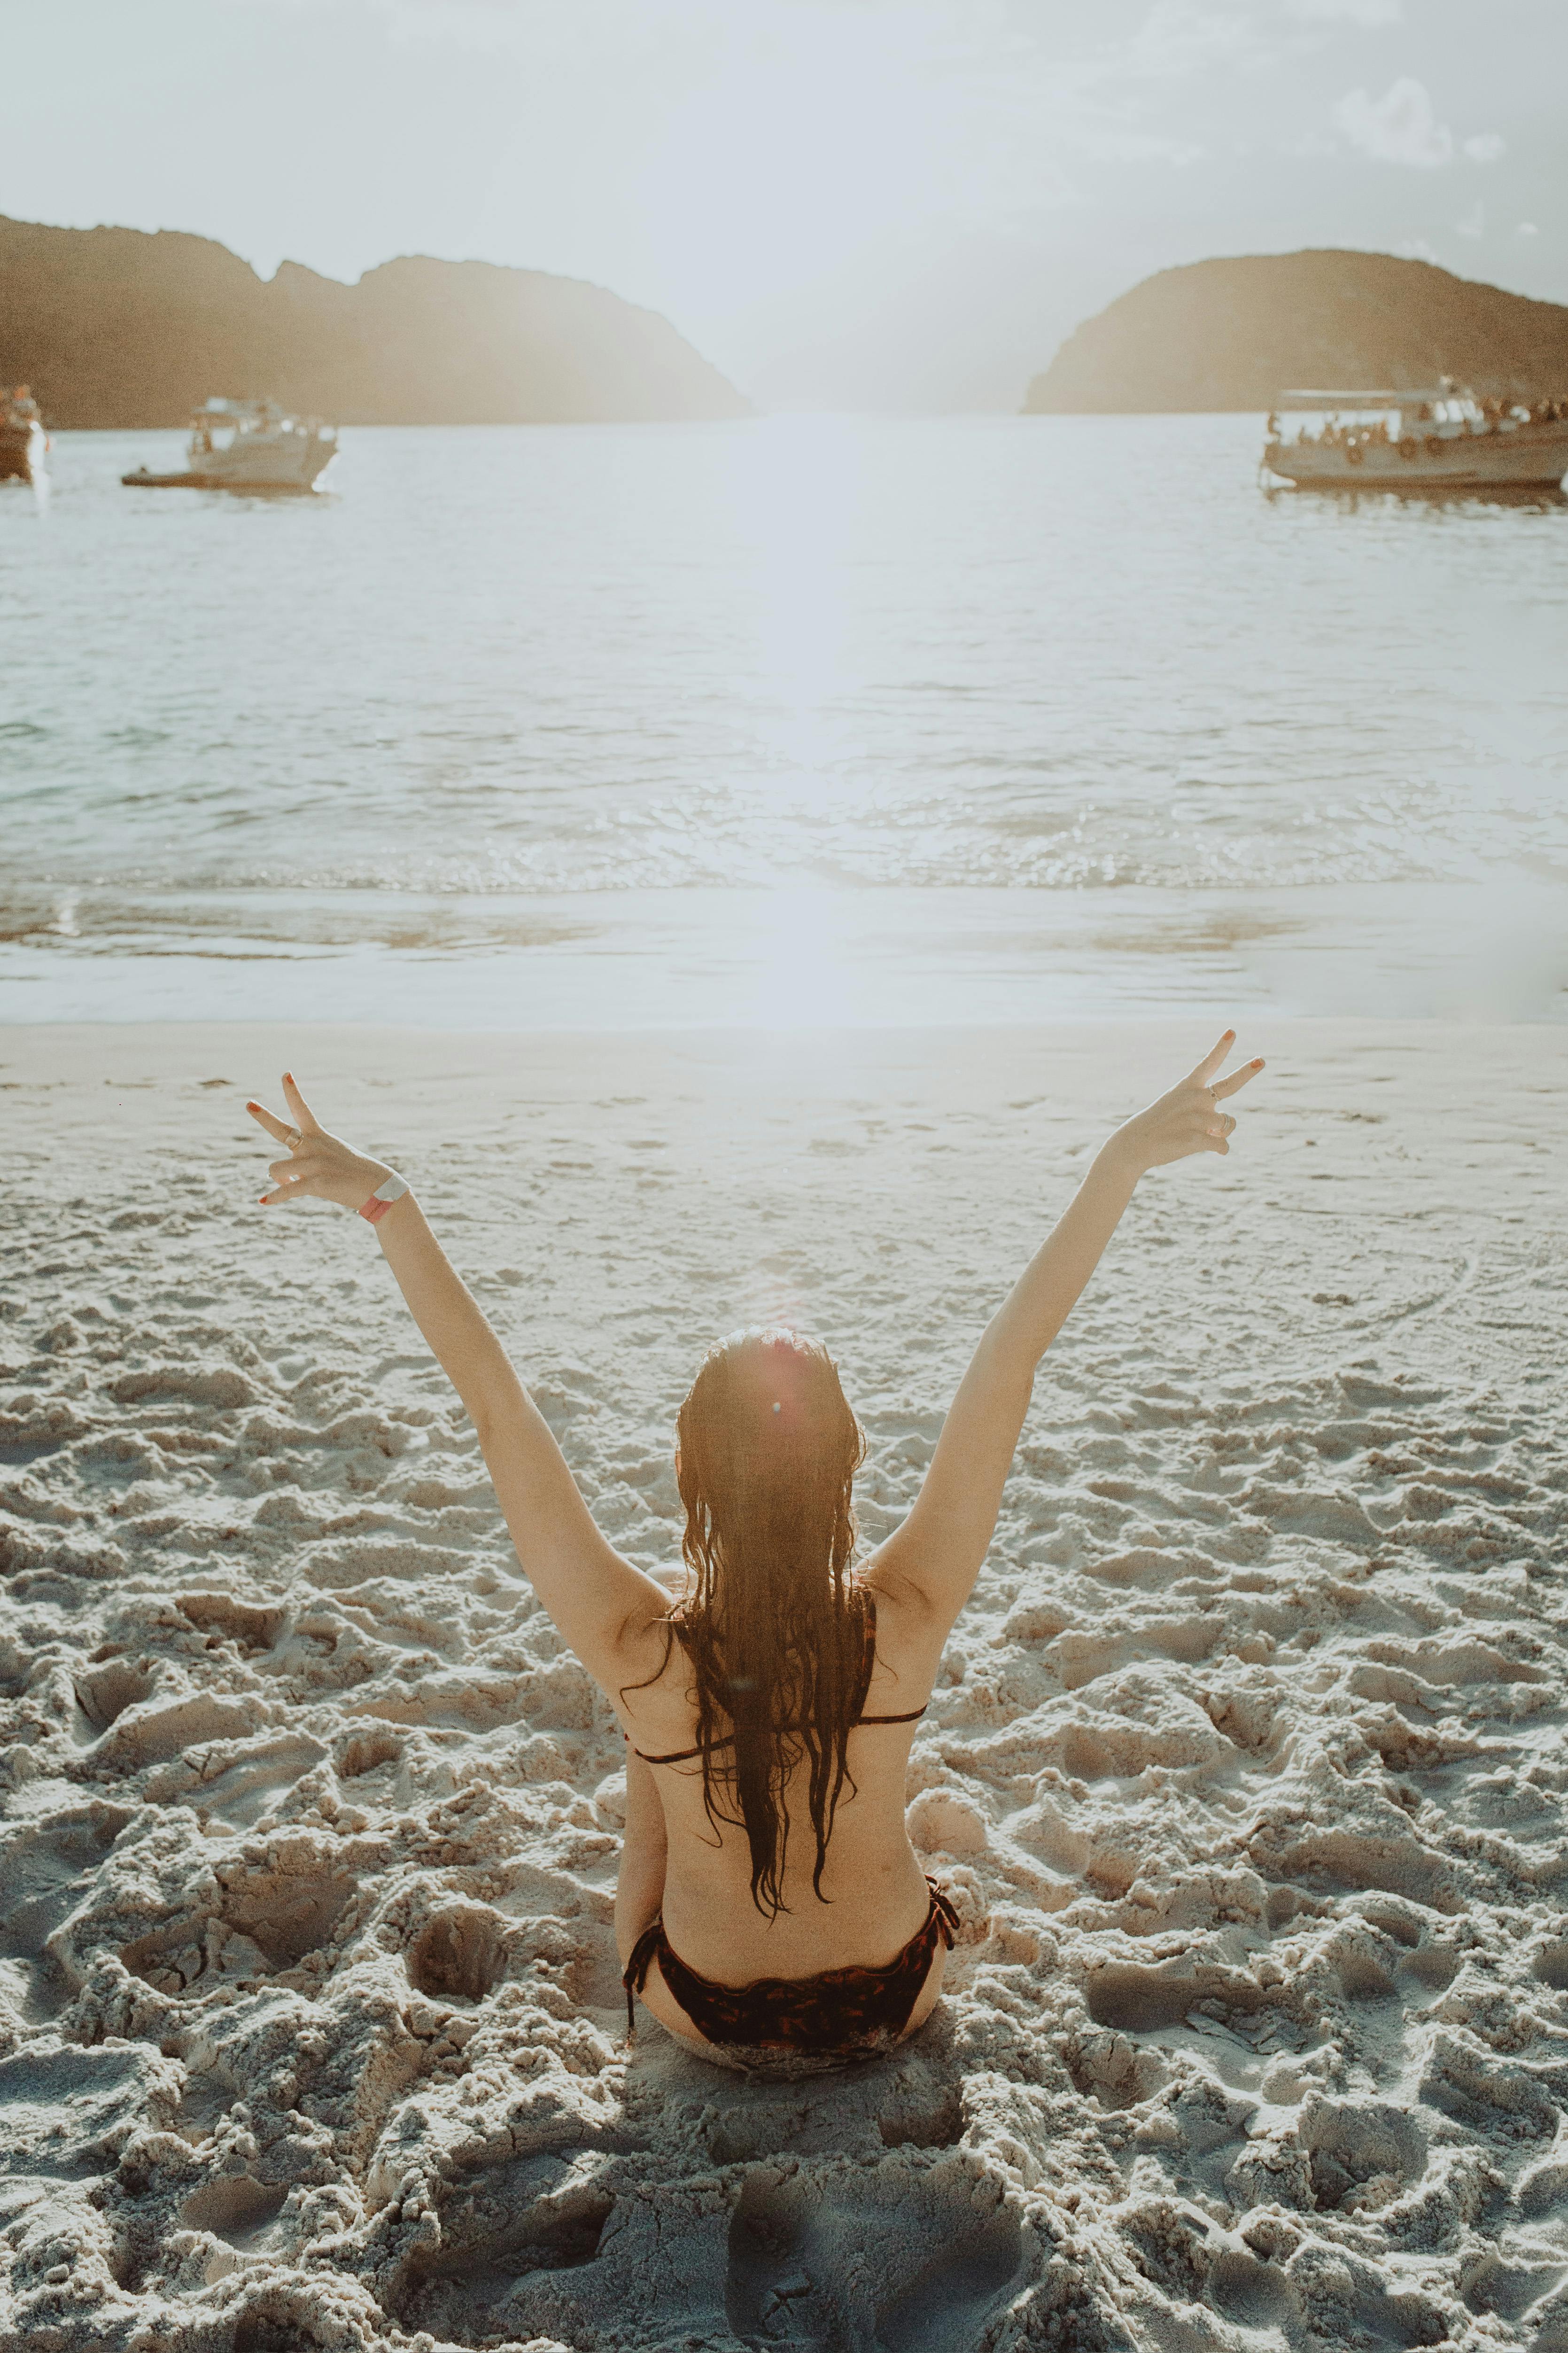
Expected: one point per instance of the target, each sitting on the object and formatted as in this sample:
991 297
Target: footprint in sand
237 2209
277 1910
256 1778
44 1873
841 2267
501 2236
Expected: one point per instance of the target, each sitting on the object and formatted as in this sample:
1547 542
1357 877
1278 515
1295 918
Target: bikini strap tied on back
944 1911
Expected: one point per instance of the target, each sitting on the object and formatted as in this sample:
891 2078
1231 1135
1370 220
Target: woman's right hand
318 1167
1186 1119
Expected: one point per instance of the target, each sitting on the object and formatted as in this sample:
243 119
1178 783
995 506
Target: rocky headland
1234 333
116 327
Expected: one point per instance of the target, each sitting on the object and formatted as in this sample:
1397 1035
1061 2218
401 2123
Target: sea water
820 719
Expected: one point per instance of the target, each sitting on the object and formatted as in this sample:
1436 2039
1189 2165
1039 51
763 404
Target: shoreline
887 956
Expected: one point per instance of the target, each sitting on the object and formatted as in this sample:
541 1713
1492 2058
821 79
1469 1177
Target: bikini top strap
677 1755
867 1656
912 1715
867 1665
683 1756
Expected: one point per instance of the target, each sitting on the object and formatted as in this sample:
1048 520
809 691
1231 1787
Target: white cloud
1180 36
1474 222
1401 127
1527 229
1486 148
1370 13
1415 248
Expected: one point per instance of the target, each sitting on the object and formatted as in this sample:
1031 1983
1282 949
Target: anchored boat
23 441
247 445
1417 441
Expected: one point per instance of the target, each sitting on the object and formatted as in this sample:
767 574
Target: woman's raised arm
934 1557
600 1602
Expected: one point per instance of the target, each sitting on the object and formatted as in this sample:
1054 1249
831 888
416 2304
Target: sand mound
1245 1769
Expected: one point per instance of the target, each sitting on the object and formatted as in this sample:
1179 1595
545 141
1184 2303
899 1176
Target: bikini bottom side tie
831 2019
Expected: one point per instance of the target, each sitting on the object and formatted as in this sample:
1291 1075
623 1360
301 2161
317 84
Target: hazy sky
845 203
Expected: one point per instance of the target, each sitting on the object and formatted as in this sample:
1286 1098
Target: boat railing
1357 420
235 419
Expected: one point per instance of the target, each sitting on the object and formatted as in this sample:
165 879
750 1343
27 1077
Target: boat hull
250 487
289 466
22 449
1464 460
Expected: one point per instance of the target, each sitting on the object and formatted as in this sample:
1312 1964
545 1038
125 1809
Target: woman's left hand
1186 1119
319 1166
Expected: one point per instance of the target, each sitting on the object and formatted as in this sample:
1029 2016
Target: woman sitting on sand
770 1910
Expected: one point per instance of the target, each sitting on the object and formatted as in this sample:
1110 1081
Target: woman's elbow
495 1422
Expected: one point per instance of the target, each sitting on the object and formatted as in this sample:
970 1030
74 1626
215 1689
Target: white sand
1247 1771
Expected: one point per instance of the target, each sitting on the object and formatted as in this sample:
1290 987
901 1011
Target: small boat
247 445
1428 439
23 441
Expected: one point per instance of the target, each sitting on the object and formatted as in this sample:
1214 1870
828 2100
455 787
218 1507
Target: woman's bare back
876 1894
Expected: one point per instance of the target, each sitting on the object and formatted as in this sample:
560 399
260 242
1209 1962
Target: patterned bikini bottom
797 2026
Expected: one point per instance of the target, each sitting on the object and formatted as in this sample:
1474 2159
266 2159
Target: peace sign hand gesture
1188 1119
319 1166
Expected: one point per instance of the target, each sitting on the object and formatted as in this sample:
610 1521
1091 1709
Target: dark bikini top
869 1661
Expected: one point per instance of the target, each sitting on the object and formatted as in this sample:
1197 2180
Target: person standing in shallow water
770 1910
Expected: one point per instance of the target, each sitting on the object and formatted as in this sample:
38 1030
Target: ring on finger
293 1139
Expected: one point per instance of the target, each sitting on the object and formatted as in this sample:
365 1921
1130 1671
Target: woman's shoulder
887 1595
899 1619
657 1692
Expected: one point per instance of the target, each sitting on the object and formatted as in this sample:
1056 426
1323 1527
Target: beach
1244 1771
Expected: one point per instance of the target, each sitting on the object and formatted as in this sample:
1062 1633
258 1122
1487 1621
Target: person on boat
770 1910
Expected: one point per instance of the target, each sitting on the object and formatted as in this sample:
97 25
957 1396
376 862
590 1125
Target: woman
769 1911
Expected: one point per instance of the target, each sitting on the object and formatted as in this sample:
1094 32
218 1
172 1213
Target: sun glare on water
796 503
802 497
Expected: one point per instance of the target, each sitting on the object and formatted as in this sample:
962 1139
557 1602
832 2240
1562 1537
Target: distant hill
115 327
1232 334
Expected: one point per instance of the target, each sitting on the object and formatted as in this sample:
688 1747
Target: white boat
247 445
1417 441
23 441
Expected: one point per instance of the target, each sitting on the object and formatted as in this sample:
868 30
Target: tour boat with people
23 441
247 445
1431 438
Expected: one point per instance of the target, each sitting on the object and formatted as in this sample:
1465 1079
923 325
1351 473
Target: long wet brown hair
775 1627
